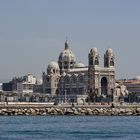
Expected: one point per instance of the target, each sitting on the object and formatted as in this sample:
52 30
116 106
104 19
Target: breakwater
69 110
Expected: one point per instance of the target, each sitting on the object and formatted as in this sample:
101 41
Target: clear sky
33 32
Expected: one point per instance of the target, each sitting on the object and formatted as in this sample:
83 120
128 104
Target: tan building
133 87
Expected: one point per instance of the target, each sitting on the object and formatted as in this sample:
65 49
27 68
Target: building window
96 61
48 79
81 79
111 62
74 80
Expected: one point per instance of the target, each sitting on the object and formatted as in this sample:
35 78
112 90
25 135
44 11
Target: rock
100 111
19 113
69 111
33 112
27 114
129 113
95 112
107 112
88 111
44 114
122 110
127 110
28 111
37 110
79 109
49 110
16 114
59 111
138 110
4 110
41 111
76 112
114 111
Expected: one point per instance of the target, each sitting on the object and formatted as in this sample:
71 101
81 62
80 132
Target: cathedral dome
53 65
67 55
79 65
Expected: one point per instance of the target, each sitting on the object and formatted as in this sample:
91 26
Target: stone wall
69 111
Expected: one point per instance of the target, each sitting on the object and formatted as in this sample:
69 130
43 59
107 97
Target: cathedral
69 81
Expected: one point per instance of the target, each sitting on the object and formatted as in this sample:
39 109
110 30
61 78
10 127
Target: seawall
34 109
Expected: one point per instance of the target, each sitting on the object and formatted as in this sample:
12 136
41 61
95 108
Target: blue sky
33 32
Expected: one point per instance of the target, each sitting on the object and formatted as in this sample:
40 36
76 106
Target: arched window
81 79
104 85
90 61
106 62
53 70
67 80
111 62
74 79
96 61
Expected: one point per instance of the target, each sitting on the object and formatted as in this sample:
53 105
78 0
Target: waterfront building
70 81
133 87
26 88
26 84
122 93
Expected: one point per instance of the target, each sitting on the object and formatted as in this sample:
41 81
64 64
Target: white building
26 84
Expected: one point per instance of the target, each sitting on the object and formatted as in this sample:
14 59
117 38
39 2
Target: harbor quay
34 109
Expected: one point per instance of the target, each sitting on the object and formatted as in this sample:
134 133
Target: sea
69 128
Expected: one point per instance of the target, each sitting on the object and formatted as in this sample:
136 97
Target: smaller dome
79 65
109 51
94 51
53 65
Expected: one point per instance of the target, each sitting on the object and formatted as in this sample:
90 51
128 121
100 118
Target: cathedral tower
109 58
101 80
93 79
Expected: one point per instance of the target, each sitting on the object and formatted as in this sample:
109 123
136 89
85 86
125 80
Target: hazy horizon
33 32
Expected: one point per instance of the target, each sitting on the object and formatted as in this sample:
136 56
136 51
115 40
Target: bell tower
108 88
93 78
109 58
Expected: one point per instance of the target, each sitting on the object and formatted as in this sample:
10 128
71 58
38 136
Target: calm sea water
69 128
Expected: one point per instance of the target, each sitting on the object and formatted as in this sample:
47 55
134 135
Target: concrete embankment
68 110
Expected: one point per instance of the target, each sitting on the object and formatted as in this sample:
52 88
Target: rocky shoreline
26 111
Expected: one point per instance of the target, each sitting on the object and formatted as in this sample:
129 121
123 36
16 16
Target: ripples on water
69 128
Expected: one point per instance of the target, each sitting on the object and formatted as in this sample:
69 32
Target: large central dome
66 58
